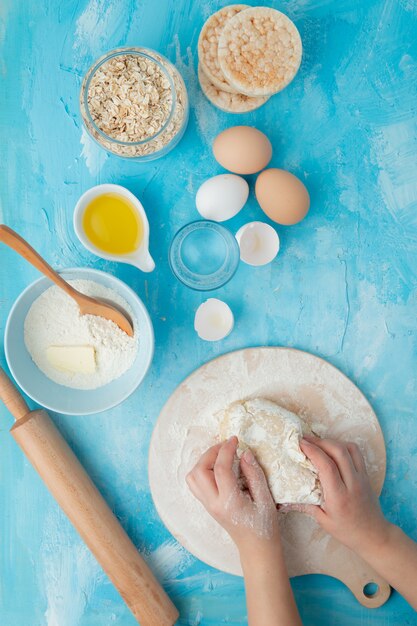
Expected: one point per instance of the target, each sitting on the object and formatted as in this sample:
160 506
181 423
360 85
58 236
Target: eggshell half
220 198
282 196
242 150
213 320
258 243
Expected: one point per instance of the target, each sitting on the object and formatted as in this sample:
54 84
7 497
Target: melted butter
112 224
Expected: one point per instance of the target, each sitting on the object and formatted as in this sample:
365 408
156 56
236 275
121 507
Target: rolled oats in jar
134 103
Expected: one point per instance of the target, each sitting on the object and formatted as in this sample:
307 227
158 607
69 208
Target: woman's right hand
350 510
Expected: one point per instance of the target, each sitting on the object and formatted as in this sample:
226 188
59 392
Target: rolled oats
135 104
229 102
208 45
259 51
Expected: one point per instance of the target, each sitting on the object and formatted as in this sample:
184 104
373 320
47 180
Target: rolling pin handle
11 397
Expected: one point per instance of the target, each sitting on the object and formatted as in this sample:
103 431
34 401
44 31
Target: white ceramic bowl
62 399
141 257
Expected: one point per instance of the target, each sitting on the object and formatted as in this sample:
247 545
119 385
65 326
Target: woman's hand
249 516
350 511
251 519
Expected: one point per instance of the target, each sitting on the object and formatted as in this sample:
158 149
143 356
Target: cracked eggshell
258 243
222 197
213 320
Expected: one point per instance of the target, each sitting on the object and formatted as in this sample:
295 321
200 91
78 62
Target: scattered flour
54 320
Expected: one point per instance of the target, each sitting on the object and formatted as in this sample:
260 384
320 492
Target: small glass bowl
173 129
204 255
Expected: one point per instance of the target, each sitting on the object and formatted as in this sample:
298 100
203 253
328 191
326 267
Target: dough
273 434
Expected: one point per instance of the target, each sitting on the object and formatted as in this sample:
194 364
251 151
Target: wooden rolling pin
79 498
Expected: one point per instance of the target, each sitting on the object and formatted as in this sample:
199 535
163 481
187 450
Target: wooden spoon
87 305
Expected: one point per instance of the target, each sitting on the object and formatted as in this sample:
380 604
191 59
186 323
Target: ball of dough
273 434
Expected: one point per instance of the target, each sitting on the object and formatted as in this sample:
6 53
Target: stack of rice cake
247 54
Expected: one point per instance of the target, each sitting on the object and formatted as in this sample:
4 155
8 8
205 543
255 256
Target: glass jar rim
142 52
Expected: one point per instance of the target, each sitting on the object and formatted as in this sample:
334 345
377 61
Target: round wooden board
300 382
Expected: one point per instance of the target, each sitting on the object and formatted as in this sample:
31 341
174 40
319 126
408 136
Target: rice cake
228 102
259 51
208 45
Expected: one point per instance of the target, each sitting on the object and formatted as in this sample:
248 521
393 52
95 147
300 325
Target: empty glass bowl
204 255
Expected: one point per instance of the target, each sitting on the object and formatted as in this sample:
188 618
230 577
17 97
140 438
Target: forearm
394 557
269 595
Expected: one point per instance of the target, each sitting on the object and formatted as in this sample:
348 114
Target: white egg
220 198
258 243
213 320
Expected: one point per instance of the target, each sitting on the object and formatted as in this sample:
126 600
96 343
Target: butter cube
73 359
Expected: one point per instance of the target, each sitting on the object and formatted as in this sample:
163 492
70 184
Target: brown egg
282 196
242 150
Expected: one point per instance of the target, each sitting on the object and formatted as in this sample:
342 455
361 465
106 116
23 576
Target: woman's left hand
249 516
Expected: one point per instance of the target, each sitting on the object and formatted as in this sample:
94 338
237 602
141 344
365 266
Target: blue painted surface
344 286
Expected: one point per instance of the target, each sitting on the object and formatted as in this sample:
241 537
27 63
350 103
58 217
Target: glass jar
204 255
138 128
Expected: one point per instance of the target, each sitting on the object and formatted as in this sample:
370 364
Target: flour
259 516
54 320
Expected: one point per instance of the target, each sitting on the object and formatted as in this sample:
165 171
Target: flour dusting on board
187 426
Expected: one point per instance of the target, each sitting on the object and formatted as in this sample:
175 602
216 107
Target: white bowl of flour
44 317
